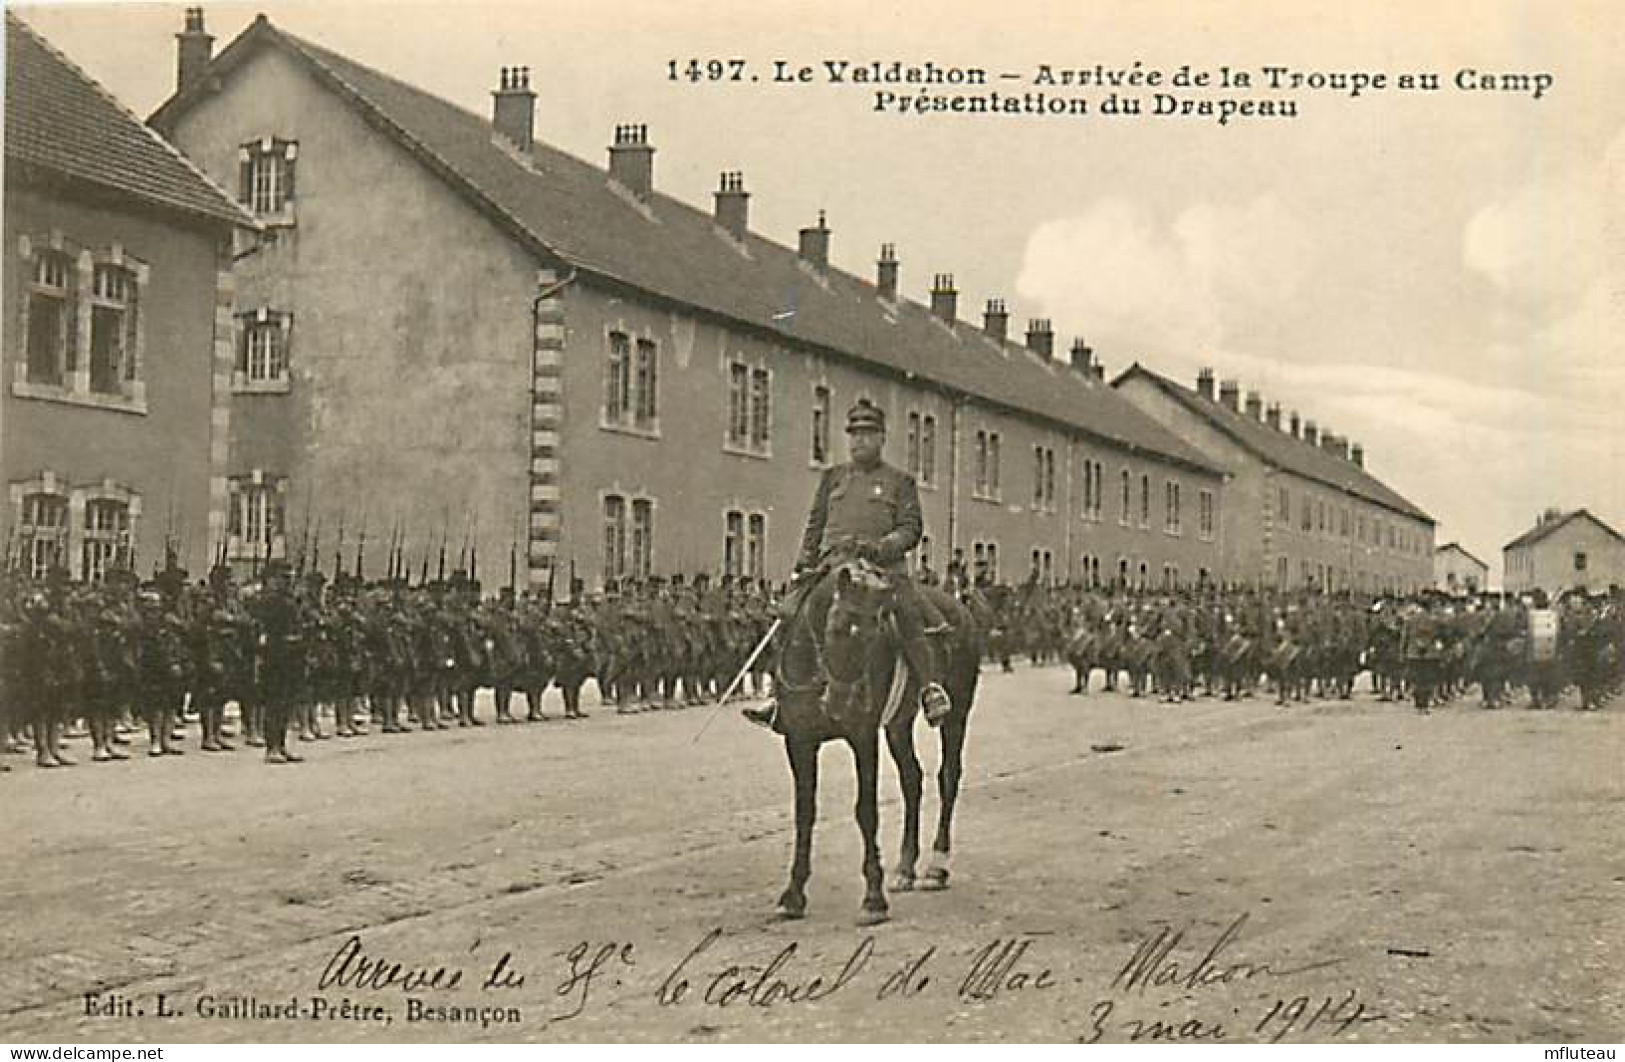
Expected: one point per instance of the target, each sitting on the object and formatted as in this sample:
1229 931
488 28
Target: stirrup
763 715
935 703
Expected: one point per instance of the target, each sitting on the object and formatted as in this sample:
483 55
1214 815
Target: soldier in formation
291 649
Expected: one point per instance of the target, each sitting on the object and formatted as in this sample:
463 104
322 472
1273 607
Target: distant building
117 336
1300 508
472 336
1564 551
1457 572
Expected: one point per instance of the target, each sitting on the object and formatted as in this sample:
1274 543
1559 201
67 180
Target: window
1205 515
1580 560
641 554
756 546
733 543
820 425
614 537
1044 477
49 321
923 555
749 408
1282 573
618 379
107 537
646 409
993 464
928 451
1320 514
984 459
993 559
911 446
1122 572
1359 528
1095 500
1145 500
44 532
265 175
262 354
1128 490
1172 522
255 516
1283 505
1088 512
111 317
1306 520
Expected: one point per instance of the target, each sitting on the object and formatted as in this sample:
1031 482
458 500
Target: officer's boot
922 659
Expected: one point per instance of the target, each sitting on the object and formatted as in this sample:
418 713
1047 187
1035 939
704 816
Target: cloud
1550 239
1189 281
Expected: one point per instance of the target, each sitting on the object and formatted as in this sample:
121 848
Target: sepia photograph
738 522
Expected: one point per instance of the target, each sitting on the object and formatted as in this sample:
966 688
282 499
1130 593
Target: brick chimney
996 321
1255 406
1328 441
1297 426
1082 356
194 48
632 160
1100 370
733 205
1230 395
1311 434
944 297
886 272
1357 454
1272 415
1204 384
513 108
1041 337
814 248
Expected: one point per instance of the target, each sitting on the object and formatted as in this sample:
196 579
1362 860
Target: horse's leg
866 750
948 776
803 756
900 740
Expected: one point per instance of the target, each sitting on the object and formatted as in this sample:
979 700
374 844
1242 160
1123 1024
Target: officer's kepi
865 416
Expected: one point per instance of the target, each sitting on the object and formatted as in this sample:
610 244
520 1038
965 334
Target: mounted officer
867 510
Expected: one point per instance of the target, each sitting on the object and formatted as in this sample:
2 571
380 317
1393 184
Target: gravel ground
1123 870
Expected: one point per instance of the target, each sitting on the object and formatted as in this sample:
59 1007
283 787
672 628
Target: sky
1438 275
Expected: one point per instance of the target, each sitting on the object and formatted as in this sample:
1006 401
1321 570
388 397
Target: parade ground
1336 871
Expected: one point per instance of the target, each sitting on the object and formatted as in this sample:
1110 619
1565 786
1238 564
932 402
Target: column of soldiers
294 649
1231 642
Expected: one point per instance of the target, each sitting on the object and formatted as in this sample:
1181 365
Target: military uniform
868 510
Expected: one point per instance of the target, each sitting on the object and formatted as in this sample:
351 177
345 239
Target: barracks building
115 396
456 335
1301 510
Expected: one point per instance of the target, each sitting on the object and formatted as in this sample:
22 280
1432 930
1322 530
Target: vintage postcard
813 522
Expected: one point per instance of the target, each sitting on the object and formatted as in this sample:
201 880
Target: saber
754 653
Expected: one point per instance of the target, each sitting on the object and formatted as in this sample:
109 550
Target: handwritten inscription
1156 964
1168 988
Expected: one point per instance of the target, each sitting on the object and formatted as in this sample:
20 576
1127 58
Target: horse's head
854 627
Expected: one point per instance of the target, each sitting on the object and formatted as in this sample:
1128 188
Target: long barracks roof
59 119
1551 527
568 210
1280 449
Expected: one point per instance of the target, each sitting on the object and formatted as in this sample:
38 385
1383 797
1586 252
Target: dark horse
839 671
